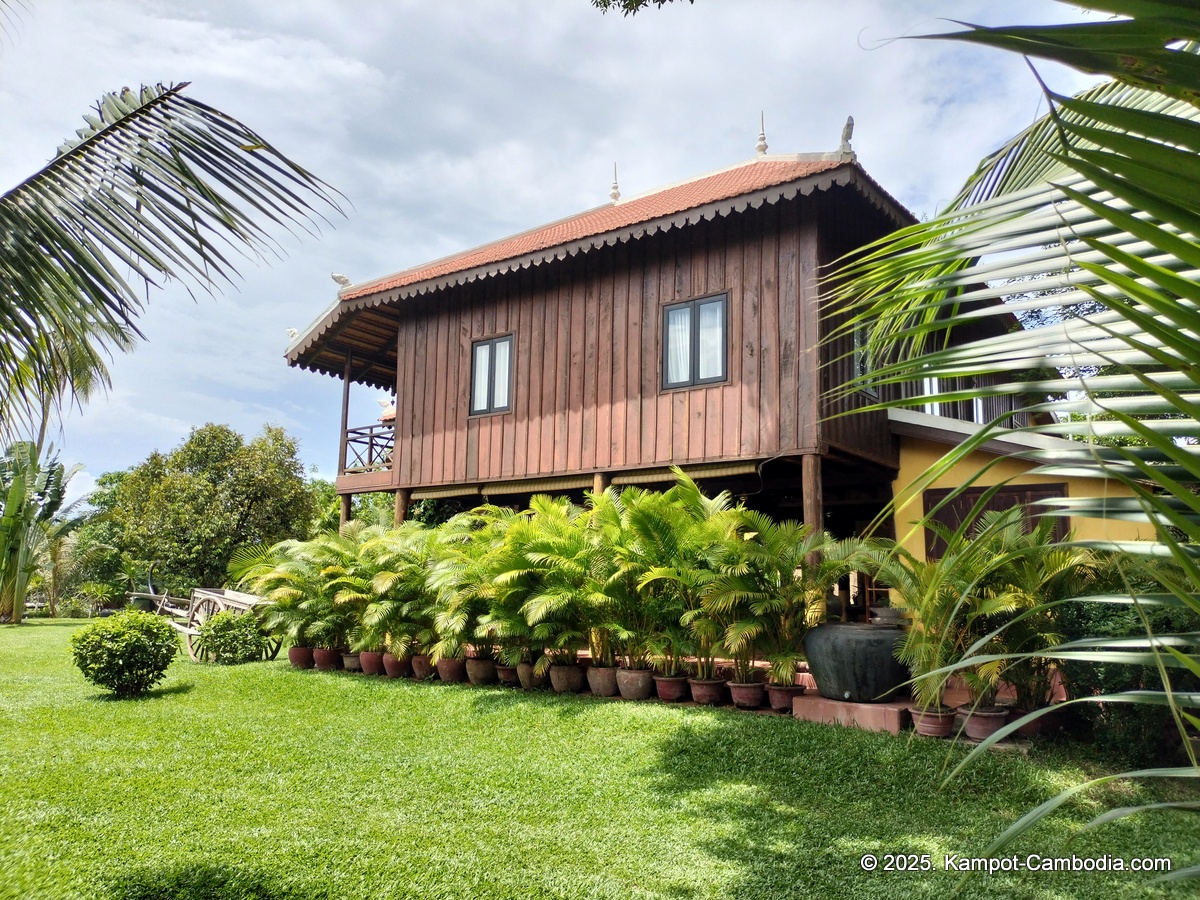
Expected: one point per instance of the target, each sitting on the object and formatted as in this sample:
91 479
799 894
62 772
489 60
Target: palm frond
156 186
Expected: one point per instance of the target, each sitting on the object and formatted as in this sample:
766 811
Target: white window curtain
711 359
679 345
479 386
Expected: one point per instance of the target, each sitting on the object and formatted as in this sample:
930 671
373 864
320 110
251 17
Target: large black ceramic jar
855 662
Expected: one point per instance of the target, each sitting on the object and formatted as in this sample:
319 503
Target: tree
188 511
629 7
1101 197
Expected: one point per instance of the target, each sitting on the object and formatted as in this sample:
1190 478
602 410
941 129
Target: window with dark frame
491 375
695 346
952 514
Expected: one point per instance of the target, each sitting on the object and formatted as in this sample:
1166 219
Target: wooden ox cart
186 616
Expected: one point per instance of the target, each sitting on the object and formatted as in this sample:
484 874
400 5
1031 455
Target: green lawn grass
263 782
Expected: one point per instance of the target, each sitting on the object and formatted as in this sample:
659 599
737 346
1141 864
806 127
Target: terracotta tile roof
755 175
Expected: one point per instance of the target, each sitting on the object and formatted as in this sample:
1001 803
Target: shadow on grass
497 699
203 882
790 807
185 687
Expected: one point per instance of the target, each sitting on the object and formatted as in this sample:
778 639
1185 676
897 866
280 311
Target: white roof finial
761 146
615 193
847 133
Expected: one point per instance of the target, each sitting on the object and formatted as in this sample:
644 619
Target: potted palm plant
779 575
398 613
932 592
707 688
670 647
504 628
1033 572
602 672
682 534
463 577
956 606
287 577
547 561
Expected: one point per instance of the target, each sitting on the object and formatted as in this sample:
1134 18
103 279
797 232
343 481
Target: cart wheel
202 610
271 650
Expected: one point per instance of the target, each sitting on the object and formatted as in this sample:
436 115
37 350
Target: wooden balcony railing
369 448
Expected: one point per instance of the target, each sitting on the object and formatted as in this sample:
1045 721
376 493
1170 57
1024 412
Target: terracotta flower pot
422 667
1043 724
397 667
372 662
672 688
352 662
481 671
602 680
983 721
326 660
933 722
301 657
566 679
708 692
529 680
748 695
780 696
635 684
507 675
452 670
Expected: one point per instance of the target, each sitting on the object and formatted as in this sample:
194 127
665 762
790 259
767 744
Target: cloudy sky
449 123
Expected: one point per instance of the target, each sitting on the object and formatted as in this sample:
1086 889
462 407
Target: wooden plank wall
587 356
845 222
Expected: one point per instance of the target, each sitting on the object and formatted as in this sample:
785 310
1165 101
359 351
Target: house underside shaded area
847 500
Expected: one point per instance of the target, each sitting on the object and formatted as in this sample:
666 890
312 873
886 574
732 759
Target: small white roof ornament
615 193
340 279
761 146
847 133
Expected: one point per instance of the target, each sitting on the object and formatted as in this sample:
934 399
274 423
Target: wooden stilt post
600 480
814 501
403 496
345 414
346 499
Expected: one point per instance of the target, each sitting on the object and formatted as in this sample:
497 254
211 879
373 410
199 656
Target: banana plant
32 493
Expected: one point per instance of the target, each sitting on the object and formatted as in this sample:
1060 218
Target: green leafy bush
127 653
1138 734
229 638
74 608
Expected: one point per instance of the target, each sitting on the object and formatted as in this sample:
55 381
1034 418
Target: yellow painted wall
916 456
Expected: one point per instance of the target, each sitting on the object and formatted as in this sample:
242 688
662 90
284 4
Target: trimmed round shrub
127 653
229 638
